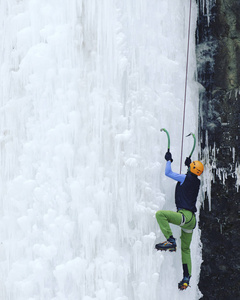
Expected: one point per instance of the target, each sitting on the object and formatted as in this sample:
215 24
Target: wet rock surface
218 57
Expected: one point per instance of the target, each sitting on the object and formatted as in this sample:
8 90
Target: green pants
187 223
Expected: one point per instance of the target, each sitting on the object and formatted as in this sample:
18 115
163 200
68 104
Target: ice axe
194 143
165 130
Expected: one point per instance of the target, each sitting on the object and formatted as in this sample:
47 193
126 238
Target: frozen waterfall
86 86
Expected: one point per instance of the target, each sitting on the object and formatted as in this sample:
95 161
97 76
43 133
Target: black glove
168 156
187 161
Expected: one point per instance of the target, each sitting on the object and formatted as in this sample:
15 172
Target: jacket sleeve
175 176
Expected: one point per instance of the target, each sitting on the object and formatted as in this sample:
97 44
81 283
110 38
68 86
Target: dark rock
218 57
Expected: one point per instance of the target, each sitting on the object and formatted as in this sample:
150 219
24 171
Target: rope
185 91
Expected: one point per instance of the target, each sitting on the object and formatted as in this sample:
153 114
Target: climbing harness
185 91
185 223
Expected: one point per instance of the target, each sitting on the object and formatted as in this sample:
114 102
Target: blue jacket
187 189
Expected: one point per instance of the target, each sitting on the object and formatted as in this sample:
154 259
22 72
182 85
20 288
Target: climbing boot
184 283
170 245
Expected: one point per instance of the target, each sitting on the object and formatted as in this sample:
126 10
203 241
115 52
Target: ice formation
85 88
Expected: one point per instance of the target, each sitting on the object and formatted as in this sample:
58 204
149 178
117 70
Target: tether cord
185 92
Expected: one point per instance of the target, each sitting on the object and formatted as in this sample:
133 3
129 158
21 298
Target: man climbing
186 194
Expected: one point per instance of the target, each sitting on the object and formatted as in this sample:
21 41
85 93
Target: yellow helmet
196 167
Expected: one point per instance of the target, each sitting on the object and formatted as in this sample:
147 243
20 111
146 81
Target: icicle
209 168
206 8
237 174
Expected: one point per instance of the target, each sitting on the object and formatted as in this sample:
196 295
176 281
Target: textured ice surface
85 88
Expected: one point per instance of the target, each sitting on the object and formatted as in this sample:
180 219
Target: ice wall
85 88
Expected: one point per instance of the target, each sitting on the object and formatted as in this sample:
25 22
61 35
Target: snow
85 88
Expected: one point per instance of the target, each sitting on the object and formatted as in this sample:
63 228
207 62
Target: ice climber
186 193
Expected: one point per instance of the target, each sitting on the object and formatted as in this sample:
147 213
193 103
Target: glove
168 156
187 161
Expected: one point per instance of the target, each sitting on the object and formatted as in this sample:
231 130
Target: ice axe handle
194 143
165 130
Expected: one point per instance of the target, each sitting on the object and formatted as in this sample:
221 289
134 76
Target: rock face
218 57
